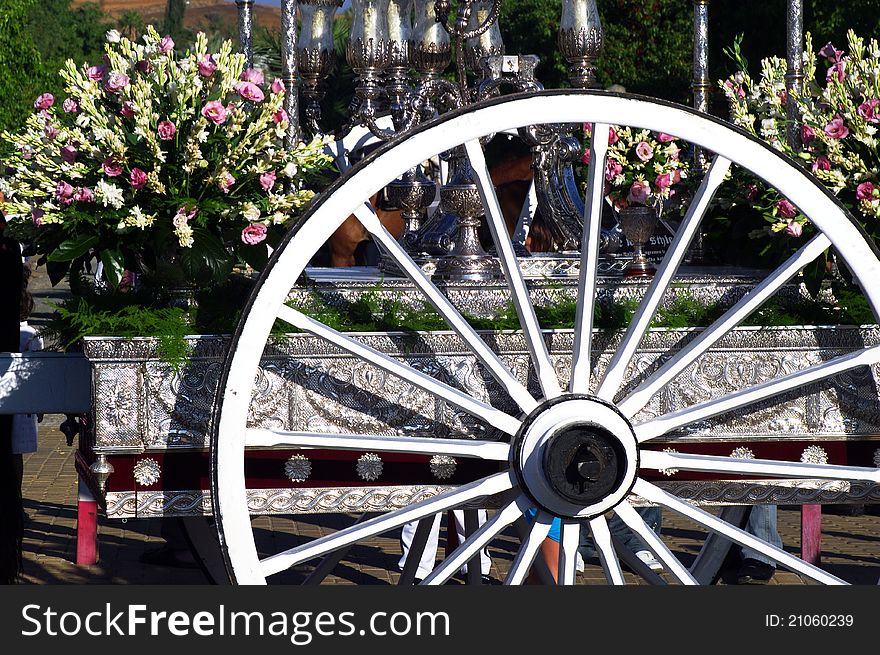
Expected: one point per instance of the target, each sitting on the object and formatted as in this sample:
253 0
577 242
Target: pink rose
215 112
662 137
63 191
127 109
166 45
277 85
821 164
786 209
794 229
588 129
267 180
783 97
644 151
207 66
835 72
96 73
836 129
226 181
115 82
166 130
807 134
144 66
44 101
68 154
868 110
111 167
663 181
137 178
676 176
865 191
752 192
253 75
37 216
612 169
586 158
249 91
253 234
639 193
50 131
830 52
70 105
84 194
612 136
280 116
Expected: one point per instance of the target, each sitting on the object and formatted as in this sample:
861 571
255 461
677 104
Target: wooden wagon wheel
551 411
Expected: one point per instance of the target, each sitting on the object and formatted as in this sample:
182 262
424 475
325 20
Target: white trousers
429 556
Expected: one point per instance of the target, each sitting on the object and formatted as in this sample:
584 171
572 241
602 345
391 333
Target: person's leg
18 464
485 559
756 566
429 554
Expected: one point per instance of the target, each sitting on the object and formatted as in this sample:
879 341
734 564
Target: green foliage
22 74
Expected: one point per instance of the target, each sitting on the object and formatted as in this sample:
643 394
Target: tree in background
175 11
22 75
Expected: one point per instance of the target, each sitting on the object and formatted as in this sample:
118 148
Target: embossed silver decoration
638 223
669 472
814 455
369 466
443 466
488 42
101 469
580 41
147 471
877 458
742 452
316 54
298 468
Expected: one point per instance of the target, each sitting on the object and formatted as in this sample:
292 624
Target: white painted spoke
477 449
447 310
654 494
488 531
674 420
451 499
589 264
731 318
529 549
487 413
605 549
569 539
653 459
518 291
641 321
635 523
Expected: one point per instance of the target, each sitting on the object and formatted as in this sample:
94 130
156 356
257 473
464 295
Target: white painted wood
569 539
641 321
447 310
635 523
654 459
484 534
641 396
519 293
654 494
481 410
474 448
589 264
605 549
451 499
674 420
44 383
519 569
526 215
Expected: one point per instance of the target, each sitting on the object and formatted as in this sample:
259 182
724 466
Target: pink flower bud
249 91
807 134
613 168
68 154
96 73
70 105
868 110
280 116
662 137
127 109
207 66
821 164
137 178
44 101
253 234
865 191
166 130
84 194
111 167
836 129
253 75
267 180
786 209
215 112
639 193
663 182
116 82
644 151
794 229
277 86
166 45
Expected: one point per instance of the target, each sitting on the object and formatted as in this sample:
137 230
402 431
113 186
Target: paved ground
850 544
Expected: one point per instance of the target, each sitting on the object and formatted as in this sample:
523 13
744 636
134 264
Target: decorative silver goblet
638 223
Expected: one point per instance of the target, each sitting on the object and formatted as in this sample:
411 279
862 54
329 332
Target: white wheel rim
465 127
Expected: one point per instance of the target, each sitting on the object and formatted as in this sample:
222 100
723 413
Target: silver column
794 76
700 85
246 29
289 71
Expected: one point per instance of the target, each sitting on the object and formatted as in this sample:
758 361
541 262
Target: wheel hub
576 456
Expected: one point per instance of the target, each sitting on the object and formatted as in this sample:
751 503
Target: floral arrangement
840 116
171 167
641 167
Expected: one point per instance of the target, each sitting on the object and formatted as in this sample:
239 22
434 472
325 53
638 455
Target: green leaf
256 256
113 266
56 271
73 248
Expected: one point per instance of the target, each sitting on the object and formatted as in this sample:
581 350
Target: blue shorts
554 527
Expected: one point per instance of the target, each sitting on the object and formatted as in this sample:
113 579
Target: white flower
290 170
251 212
113 36
109 194
184 235
138 219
